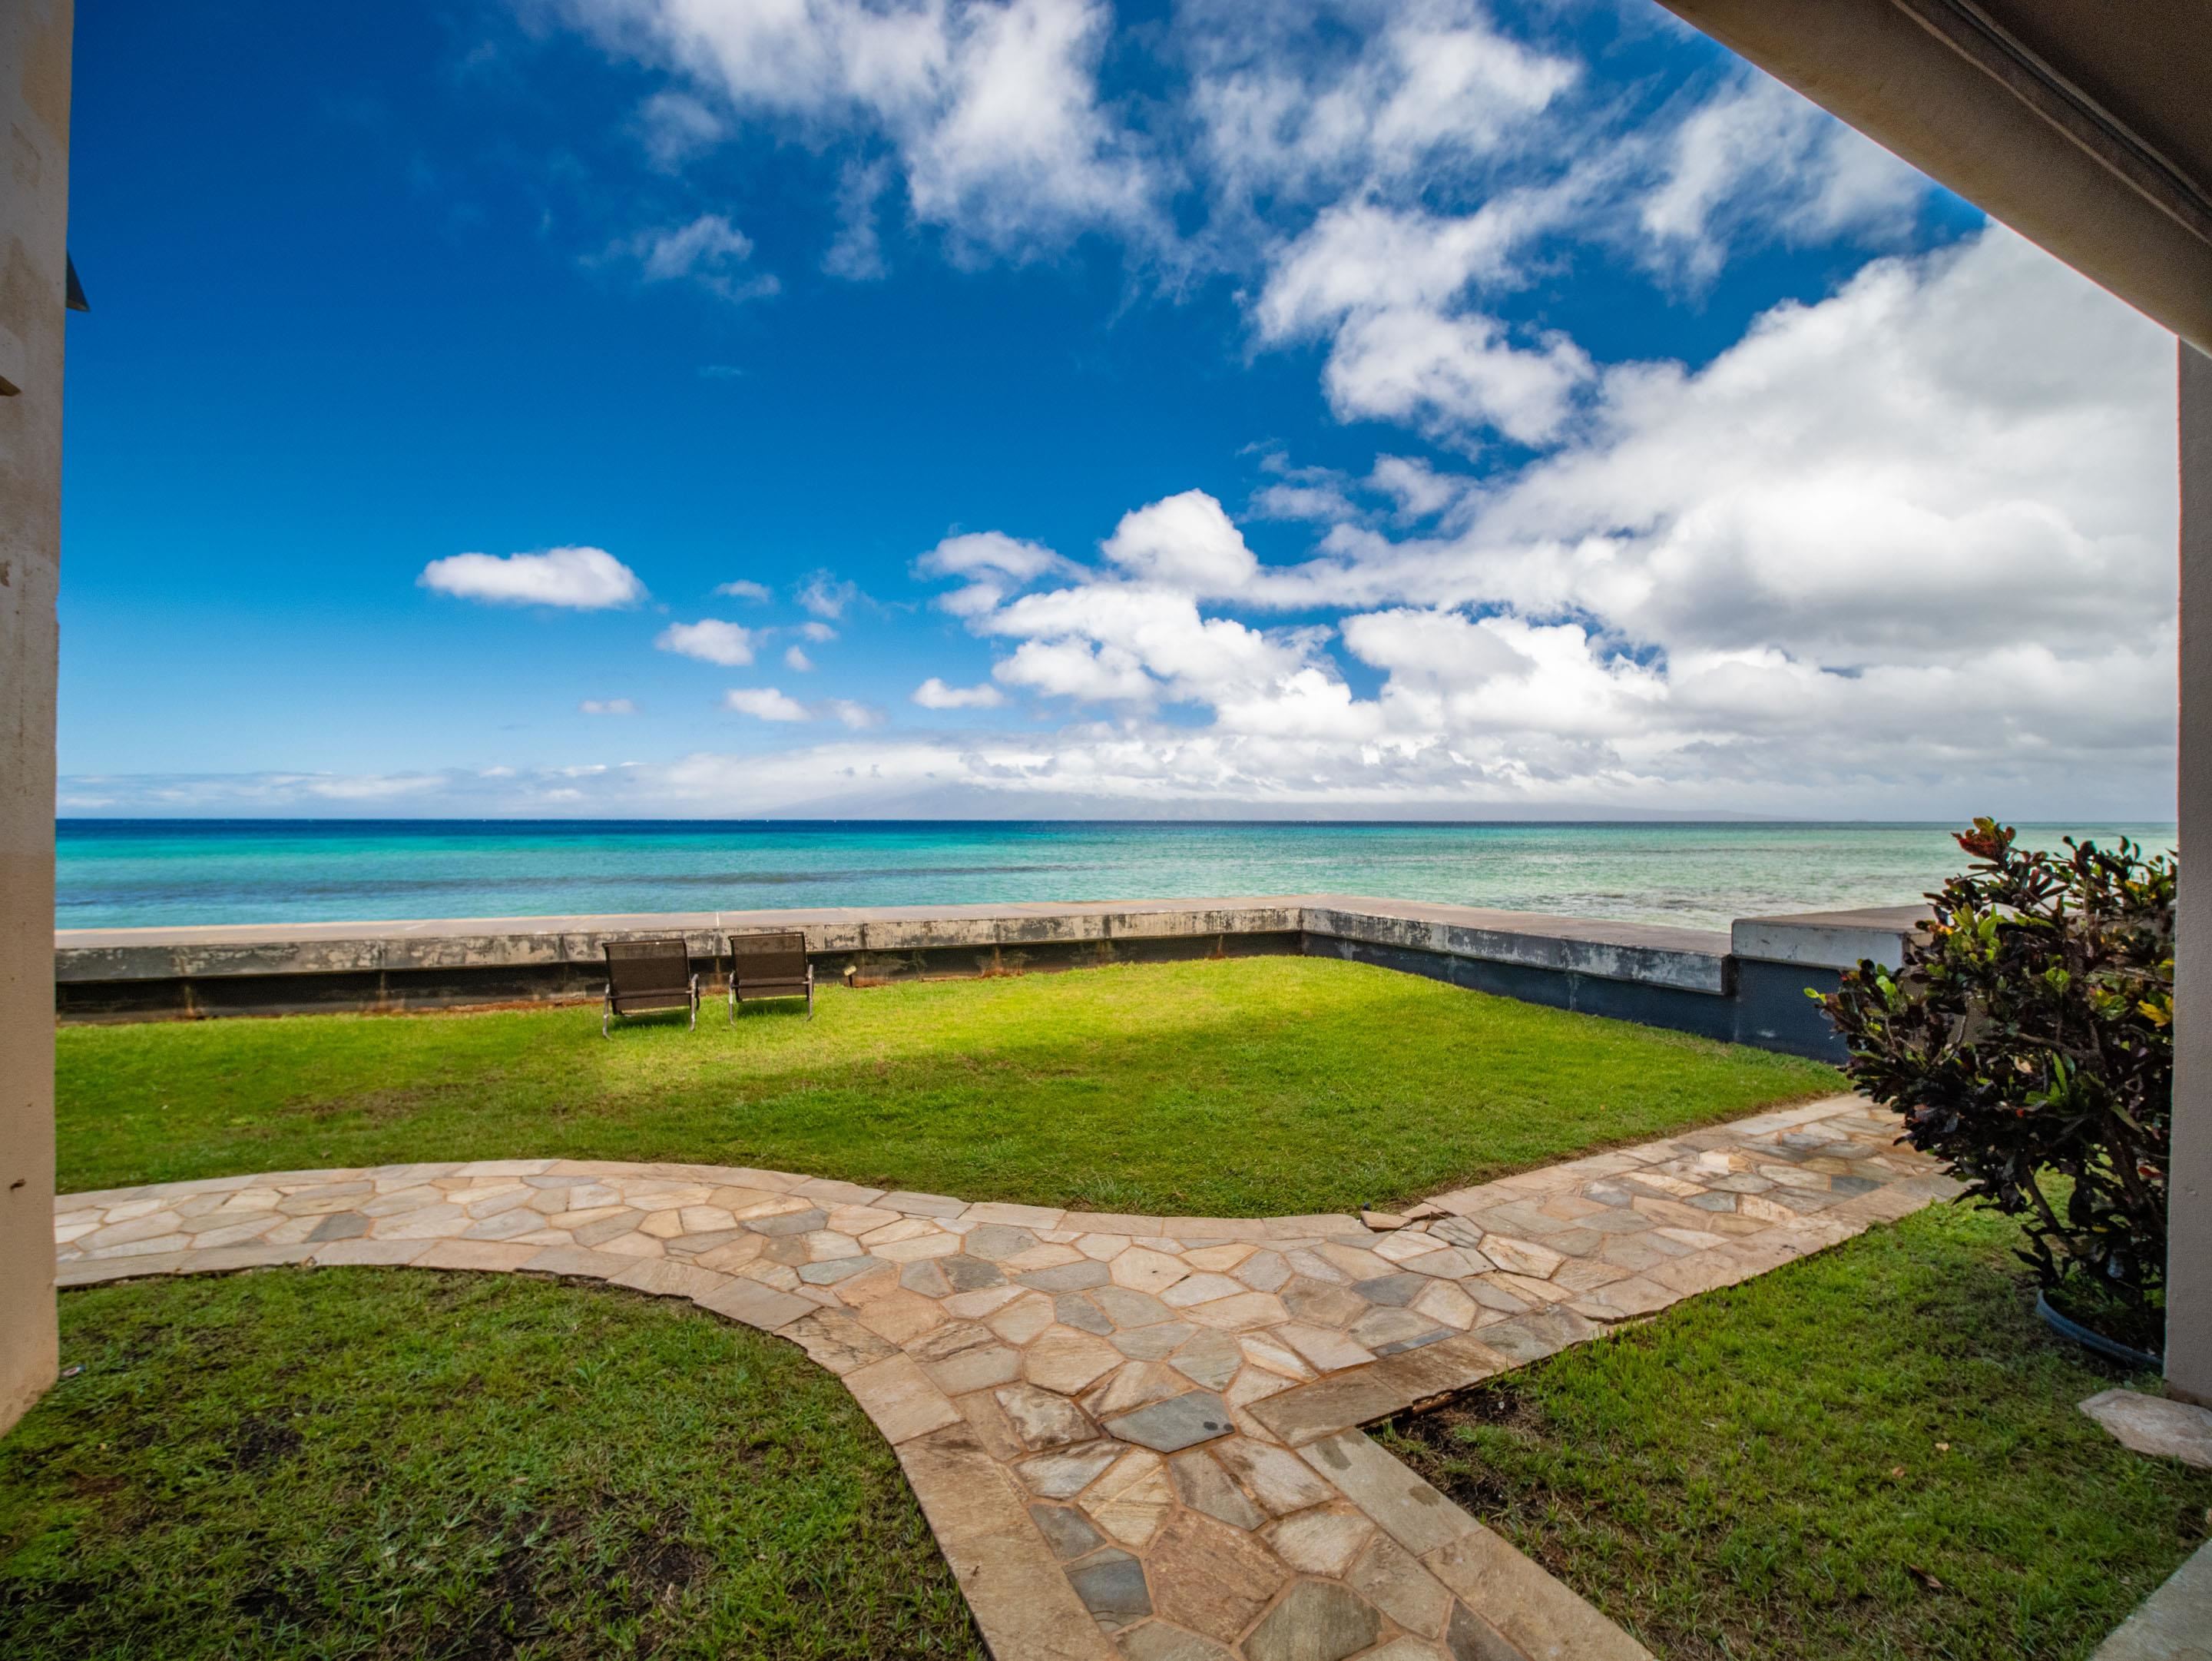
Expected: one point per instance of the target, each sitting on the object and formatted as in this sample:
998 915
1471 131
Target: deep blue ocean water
124 874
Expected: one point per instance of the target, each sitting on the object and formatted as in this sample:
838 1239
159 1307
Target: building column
2189 1197
34 86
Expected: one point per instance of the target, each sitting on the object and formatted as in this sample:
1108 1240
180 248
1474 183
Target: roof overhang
2085 127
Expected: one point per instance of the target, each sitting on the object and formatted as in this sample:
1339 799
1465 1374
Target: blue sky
1350 411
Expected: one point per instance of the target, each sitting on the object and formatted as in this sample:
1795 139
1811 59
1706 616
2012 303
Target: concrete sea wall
1746 987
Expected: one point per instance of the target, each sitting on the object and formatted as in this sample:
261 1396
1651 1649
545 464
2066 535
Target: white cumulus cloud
934 694
1758 160
1310 100
991 565
992 107
709 251
711 641
827 596
1183 541
1453 376
580 579
765 703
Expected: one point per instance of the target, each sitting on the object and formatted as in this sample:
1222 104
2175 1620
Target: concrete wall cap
1830 939
1693 959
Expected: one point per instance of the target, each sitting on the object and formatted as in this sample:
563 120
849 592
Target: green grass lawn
1252 1087
376 1462
1874 1453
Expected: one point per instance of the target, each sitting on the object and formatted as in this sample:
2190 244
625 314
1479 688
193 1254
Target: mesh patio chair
644 976
770 966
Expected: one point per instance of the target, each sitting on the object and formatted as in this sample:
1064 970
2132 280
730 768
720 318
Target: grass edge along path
1874 1453
358 1463
1247 1088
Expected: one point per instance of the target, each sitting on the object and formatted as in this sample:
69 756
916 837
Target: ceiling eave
1948 86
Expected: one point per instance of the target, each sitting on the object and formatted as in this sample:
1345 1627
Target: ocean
137 873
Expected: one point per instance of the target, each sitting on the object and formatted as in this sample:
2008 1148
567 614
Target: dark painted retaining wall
1766 1006
460 986
1702 1013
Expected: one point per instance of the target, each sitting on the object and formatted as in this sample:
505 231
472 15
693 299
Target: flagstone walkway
1137 1438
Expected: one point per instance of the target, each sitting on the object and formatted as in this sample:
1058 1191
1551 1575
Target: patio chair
770 966
643 975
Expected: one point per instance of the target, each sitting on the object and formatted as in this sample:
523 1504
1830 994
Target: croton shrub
2029 1036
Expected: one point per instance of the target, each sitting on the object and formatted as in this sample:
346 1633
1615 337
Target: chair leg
605 1015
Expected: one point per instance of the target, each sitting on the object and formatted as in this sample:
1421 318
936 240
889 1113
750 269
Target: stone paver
1136 1438
2155 1424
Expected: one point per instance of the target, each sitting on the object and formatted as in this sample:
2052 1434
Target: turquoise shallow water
126 873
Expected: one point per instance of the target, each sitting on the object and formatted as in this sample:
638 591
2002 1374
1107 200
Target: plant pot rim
2111 1348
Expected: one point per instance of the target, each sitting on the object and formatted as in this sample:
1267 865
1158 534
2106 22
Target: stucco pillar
2189 1250
34 82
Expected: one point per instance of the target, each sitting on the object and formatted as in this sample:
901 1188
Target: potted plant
2028 1038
